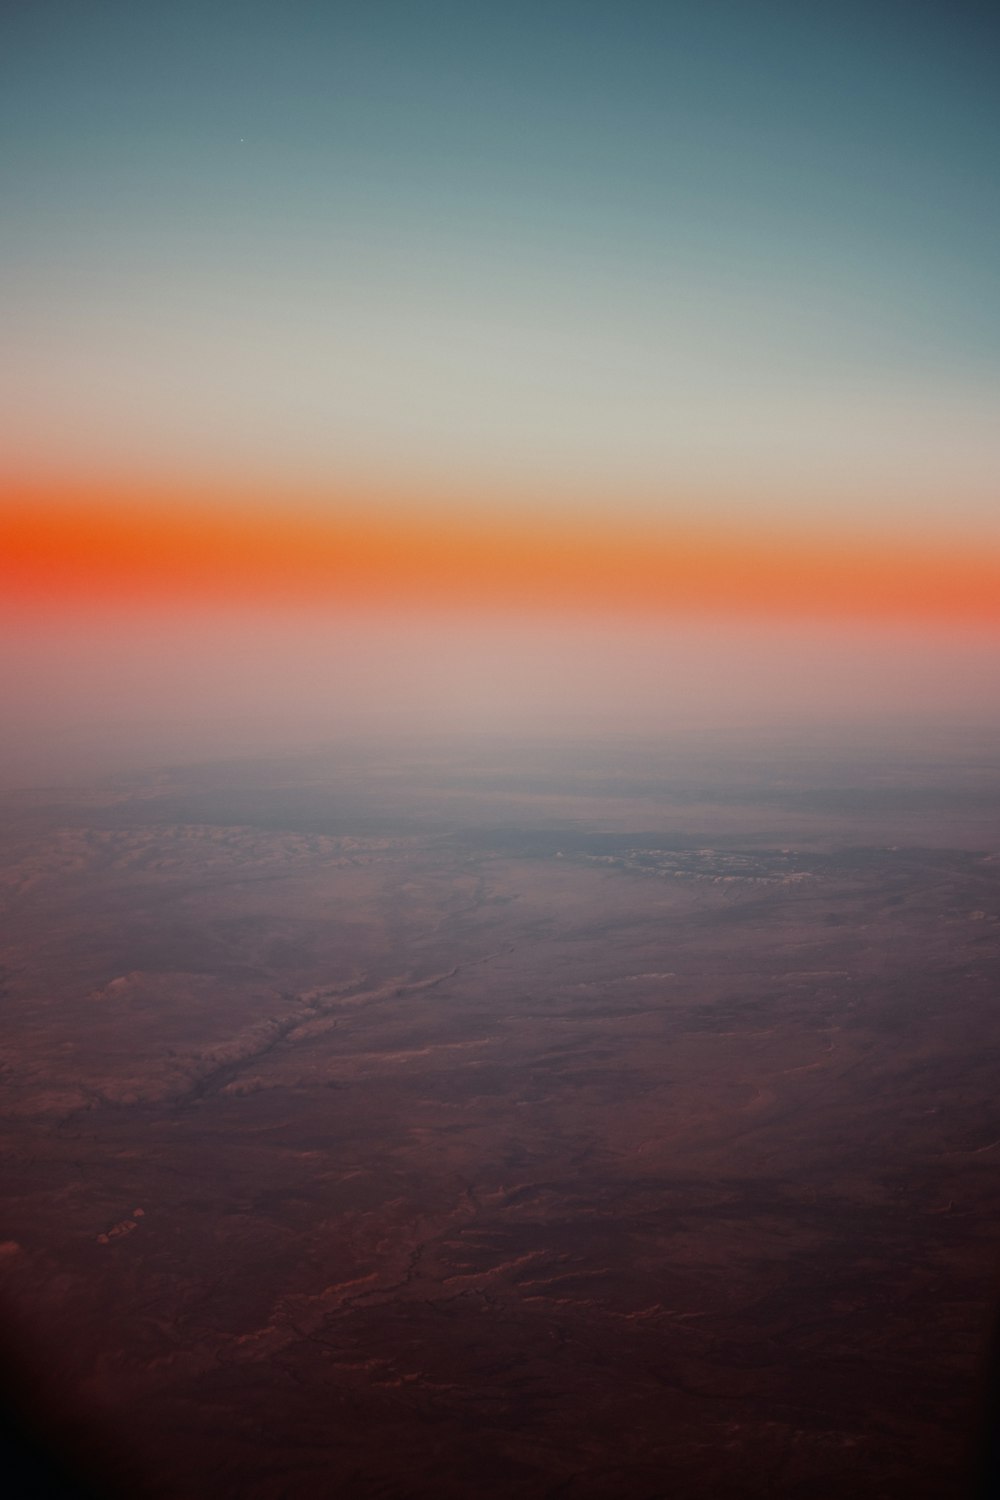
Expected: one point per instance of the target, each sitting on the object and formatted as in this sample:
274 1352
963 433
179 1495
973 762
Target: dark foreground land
510 1123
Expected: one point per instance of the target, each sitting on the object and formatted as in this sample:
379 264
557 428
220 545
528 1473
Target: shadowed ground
524 1122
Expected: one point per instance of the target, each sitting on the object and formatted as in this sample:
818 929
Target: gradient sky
640 266
685 254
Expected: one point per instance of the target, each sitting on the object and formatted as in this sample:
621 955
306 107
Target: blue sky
675 250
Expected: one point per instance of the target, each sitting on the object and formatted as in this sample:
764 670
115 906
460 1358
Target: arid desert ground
502 1120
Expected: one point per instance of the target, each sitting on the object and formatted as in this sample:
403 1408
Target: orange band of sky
105 549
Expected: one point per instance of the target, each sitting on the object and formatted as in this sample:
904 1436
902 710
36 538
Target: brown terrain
510 1122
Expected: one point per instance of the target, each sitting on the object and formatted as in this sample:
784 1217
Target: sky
702 298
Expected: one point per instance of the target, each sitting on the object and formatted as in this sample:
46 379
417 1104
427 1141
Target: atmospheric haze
101 693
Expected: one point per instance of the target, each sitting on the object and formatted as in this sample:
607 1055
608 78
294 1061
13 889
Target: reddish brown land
521 1122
